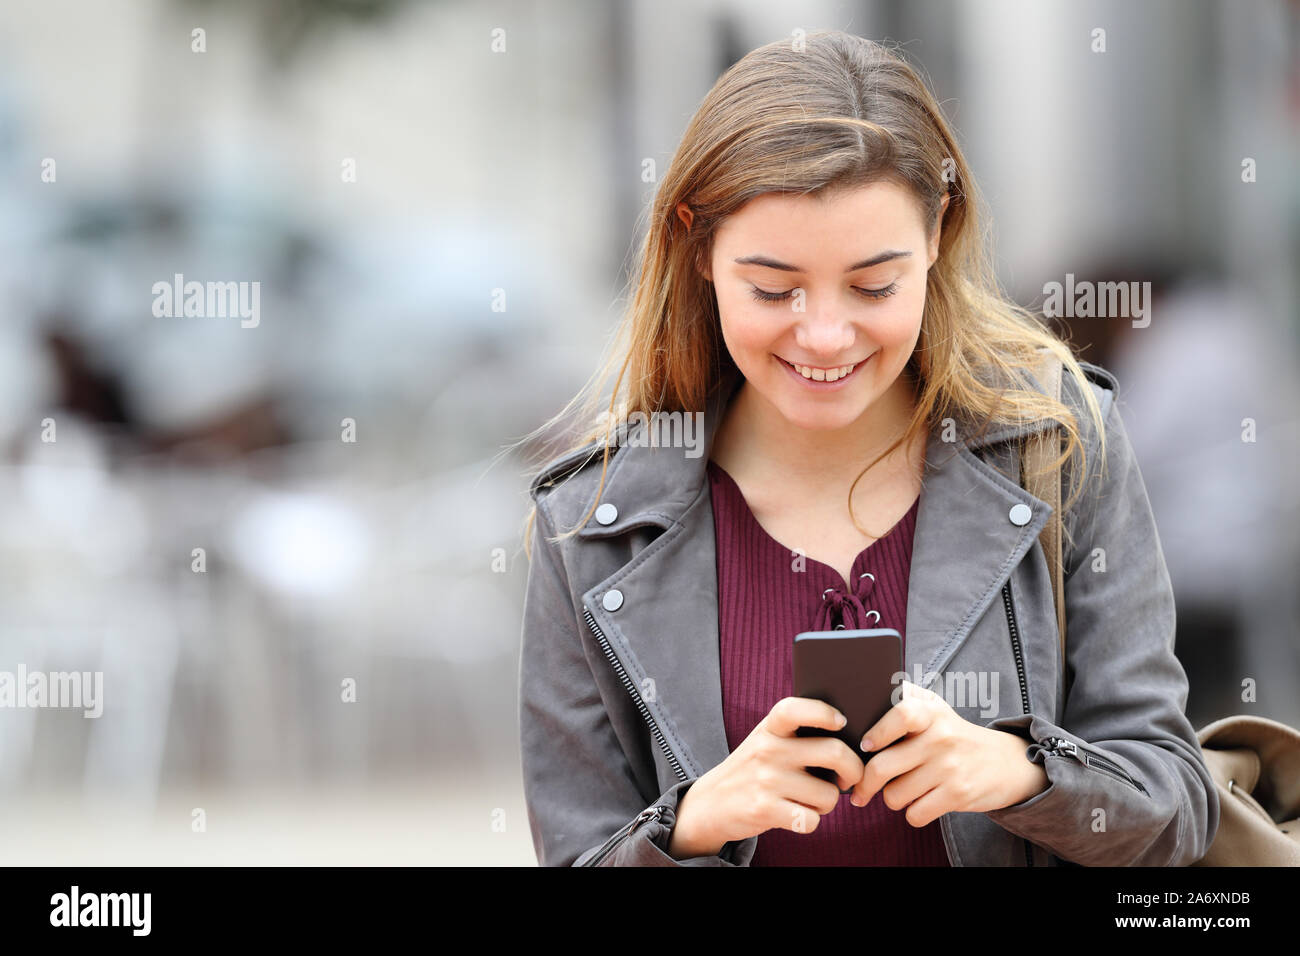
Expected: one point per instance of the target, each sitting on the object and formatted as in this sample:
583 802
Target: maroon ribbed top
763 602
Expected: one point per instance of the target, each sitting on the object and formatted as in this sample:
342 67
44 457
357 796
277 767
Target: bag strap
1046 485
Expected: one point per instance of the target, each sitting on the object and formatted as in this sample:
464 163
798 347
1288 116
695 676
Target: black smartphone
854 672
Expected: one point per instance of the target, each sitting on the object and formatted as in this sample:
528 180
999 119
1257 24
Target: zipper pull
625 831
646 815
1057 746
1060 745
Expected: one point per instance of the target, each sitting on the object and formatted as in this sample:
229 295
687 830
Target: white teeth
824 375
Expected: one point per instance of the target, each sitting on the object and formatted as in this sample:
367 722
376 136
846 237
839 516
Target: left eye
763 296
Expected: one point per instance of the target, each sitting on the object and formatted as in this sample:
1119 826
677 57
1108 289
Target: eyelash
887 291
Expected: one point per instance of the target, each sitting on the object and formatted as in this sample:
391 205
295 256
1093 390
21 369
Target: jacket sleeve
1127 691
582 799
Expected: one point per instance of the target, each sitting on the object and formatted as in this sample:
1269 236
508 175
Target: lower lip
824 386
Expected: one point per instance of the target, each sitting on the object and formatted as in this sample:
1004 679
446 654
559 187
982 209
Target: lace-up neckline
840 607
849 609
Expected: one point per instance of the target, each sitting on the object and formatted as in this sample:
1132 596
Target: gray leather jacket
619 686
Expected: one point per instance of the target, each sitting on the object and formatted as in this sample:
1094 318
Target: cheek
749 326
897 323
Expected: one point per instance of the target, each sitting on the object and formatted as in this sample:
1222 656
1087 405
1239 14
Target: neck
756 439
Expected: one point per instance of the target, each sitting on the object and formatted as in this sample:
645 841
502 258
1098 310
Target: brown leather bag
1255 761
1256 766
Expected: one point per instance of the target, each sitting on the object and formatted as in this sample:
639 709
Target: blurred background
293 547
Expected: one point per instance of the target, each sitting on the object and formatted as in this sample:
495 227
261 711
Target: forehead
883 210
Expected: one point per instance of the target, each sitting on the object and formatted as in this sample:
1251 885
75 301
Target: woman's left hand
945 764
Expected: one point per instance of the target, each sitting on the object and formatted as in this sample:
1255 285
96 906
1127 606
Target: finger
837 756
829 753
802 787
903 757
790 713
913 691
906 788
930 806
910 715
797 818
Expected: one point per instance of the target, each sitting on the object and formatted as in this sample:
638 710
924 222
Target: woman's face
821 297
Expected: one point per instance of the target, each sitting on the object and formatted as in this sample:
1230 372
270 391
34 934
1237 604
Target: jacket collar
654 485
664 620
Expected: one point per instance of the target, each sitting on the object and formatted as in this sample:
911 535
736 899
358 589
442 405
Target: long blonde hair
836 110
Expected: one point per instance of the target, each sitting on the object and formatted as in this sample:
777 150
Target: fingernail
855 800
842 720
866 743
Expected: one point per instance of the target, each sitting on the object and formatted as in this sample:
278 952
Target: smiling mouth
814 374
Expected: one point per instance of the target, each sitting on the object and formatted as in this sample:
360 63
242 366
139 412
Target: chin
817 416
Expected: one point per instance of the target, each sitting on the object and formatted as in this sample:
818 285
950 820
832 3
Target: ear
933 251
687 216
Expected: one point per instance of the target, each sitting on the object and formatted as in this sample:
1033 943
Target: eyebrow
770 263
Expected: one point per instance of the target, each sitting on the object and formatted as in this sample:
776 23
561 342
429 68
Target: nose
824 332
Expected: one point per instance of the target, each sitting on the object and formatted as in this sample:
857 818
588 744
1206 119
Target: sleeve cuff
1064 817
648 845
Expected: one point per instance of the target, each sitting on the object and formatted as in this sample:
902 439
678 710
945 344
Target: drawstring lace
841 611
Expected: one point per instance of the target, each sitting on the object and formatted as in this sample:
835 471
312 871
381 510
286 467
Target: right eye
762 296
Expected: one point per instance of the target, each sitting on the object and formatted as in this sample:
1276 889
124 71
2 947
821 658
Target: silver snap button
607 513
613 599
1020 514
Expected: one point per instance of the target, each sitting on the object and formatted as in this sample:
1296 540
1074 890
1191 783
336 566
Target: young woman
814 292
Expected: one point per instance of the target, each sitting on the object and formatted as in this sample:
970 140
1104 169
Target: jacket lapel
965 547
663 623
665 630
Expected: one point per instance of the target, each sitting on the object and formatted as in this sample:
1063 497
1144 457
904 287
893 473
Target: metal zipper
1058 746
650 813
645 816
1020 673
1015 645
632 691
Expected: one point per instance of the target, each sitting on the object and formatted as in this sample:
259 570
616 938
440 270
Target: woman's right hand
763 783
